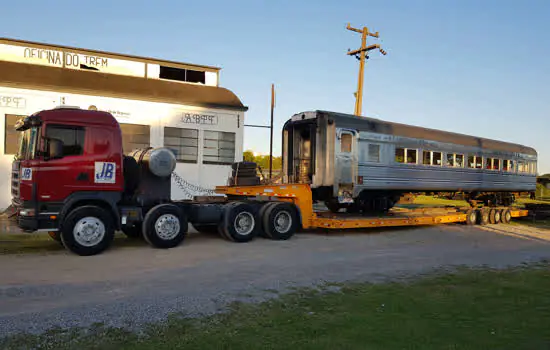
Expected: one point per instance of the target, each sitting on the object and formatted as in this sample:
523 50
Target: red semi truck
72 179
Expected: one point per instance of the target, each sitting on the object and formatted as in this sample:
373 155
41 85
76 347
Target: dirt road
134 285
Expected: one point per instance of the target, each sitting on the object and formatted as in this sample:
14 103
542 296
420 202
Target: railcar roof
391 128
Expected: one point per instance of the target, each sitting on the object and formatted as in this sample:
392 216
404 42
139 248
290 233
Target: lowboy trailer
72 179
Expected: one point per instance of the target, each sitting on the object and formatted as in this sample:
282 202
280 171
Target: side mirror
55 148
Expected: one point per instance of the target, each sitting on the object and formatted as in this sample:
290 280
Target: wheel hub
283 222
244 223
167 226
89 231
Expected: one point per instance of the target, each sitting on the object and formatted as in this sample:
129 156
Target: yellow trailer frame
301 196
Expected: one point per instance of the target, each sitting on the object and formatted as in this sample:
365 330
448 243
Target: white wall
157 115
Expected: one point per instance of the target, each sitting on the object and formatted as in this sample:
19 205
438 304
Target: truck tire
239 223
88 230
280 221
134 231
243 165
164 226
261 215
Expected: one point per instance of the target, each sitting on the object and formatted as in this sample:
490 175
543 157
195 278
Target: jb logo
105 173
26 174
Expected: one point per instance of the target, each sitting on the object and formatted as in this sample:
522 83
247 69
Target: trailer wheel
133 231
164 226
261 215
506 216
87 230
494 216
482 217
280 221
239 222
471 217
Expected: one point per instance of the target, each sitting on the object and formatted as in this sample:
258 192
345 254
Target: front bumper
28 220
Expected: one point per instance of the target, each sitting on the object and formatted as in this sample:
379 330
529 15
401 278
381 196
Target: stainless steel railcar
368 164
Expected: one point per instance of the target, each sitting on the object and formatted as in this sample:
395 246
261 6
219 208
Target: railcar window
437 158
479 162
450 159
505 165
184 143
533 167
411 156
345 143
427 158
471 162
400 155
459 160
496 164
374 153
489 163
512 166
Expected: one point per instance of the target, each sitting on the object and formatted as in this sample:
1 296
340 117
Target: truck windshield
27 143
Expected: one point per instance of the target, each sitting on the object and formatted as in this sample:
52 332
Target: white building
157 103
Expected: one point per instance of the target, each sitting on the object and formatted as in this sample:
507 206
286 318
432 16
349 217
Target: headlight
27 212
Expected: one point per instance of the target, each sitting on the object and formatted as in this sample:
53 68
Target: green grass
469 309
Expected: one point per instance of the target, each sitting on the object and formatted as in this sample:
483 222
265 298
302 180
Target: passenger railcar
368 164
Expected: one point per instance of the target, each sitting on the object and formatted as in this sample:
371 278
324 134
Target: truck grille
15 181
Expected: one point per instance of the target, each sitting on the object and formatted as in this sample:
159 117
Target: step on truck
71 179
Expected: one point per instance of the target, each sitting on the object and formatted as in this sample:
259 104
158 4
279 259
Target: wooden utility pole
271 137
361 55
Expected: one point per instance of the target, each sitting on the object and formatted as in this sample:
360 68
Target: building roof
28 76
46 46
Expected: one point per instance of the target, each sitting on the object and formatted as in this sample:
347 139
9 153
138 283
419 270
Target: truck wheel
239 222
133 231
164 226
471 217
87 230
261 215
506 216
280 221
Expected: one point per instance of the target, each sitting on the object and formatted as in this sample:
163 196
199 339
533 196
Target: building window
71 136
183 142
135 136
374 153
219 147
11 136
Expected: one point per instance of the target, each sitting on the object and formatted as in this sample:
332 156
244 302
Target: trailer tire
494 216
261 215
471 217
87 230
165 226
280 221
240 223
482 217
506 216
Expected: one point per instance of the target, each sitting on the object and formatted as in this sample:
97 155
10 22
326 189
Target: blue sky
475 67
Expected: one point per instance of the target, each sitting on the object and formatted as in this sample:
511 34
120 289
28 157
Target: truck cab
65 155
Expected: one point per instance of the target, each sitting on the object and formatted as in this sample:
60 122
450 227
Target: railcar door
346 164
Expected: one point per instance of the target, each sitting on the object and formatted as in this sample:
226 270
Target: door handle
82 177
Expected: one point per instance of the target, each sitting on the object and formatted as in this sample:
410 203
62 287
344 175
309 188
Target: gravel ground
132 286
